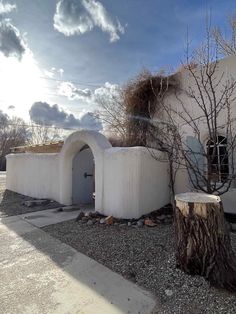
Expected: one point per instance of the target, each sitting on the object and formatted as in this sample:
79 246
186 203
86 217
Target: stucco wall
35 175
134 182
226 69
129 182
183 185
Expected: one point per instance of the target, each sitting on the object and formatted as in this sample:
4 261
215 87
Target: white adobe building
128 181
225 71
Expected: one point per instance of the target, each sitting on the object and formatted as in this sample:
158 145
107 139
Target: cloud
11 41
43 113
90 121
6 8
107 91
71 92
81 16
53 72
61 72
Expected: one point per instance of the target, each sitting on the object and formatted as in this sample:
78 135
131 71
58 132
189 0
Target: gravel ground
146 256
11 202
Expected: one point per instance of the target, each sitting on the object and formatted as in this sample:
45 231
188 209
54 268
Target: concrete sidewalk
39 274
48 217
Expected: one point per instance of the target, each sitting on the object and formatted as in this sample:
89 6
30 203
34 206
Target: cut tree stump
203 239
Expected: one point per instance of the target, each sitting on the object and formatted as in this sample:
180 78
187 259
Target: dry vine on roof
143 97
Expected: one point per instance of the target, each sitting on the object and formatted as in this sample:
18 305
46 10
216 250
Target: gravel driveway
146 256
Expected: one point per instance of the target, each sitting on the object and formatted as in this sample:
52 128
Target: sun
21 84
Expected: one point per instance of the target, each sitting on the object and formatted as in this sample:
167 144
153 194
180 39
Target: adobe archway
97 143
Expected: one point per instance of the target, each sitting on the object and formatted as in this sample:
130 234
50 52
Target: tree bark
203 239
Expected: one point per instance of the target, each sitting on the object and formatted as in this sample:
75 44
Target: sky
57 57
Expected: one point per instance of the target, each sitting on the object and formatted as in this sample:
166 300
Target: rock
169 292
84 218
161 218
70 208
148 222
41 202
59 209
80 216
109 220
129 224
94 214
33 203
29 203
90 223
87 214
116 224
140 223
102 220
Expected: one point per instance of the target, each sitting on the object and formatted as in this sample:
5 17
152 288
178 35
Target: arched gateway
129 182
74 144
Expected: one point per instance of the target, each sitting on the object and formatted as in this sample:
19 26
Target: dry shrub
143 96
116 141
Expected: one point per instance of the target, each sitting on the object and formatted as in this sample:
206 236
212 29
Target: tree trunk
203 239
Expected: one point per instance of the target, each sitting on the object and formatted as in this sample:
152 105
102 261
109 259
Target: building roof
54 147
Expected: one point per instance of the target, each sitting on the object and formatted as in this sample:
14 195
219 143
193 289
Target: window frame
219 174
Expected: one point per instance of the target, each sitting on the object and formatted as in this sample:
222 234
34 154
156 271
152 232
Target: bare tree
227 44
212 93
206 148
12 133
196 130
112 112
41 133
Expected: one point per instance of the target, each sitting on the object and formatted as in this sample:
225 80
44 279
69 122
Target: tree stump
203 239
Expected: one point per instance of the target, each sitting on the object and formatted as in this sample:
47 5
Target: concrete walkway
52 216
48 217
39 274
2 178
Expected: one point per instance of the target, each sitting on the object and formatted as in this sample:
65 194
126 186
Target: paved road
41 275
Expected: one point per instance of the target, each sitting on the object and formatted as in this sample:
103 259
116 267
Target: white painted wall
128 181
227 68
35 175
134 182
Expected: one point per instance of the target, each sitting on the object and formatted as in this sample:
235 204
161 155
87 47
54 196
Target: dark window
219 159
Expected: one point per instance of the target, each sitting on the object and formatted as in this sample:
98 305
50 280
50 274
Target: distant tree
226 43
112 112
13 132
41 133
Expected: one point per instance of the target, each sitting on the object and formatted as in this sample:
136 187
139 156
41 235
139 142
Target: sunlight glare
20 83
